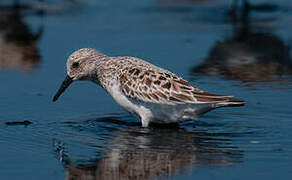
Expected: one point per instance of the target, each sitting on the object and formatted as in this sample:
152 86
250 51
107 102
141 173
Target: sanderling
151 93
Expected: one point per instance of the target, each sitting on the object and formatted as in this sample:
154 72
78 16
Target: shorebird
151 93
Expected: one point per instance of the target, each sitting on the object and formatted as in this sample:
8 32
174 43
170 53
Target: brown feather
164 87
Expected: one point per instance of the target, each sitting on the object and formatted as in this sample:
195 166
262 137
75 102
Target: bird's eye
75 65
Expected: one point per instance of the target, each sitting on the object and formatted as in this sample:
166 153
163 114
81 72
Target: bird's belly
176 113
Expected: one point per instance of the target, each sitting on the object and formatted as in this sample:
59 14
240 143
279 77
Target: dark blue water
86 135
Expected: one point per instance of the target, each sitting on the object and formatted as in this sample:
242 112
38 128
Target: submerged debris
14 123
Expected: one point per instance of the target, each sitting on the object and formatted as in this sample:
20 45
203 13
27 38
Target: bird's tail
230 102
218 100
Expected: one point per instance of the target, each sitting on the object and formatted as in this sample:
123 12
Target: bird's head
80 66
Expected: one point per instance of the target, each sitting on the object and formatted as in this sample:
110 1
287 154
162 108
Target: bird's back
146 82
163 96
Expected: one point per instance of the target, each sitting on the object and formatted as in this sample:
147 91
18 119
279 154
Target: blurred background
237 47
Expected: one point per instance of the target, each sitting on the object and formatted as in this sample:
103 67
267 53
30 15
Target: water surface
87 135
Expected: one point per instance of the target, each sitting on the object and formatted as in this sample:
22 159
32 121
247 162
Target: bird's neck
103 73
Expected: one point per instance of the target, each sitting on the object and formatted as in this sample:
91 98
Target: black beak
68 80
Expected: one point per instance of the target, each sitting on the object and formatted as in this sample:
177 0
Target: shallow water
86 135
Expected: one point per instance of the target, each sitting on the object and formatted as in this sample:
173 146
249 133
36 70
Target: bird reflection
252 54
139 153
18 45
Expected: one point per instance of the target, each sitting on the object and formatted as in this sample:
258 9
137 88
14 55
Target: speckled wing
162 87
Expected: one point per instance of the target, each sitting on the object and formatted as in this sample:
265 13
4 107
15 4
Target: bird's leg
145 122
145 116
